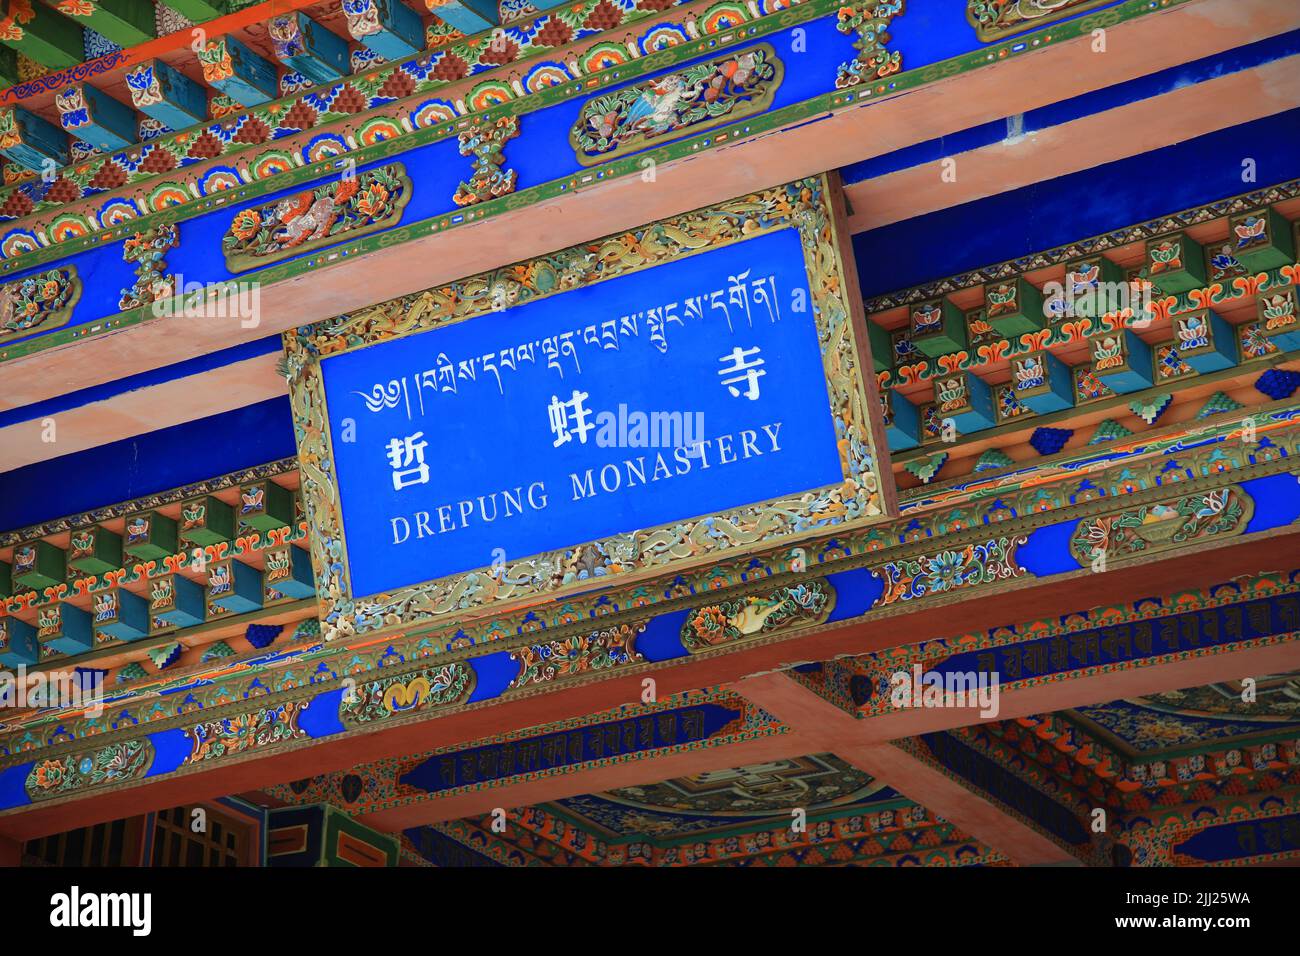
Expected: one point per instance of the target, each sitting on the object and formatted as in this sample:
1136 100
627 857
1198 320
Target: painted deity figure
307 216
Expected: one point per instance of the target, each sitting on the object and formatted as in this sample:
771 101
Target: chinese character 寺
568 417
406 455
745 367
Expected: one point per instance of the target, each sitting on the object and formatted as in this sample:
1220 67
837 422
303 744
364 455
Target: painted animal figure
303 217
656 109
732 76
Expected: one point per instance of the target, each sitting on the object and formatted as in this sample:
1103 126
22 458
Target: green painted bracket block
39 564
207 521
125 22
49 38
150 536
1176 263
1014 307
882 347
6 580
8 66
265 506
1262 239
1084 281
95 550
937 327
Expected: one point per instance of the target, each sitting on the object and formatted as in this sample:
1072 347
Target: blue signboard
673 392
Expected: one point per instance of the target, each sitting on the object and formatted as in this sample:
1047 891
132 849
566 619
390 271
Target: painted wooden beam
973 812
237 71
844 138
8 66
304 45
165 94
474 16
426 809
200 11
125 22
30 141
94 117
40 33
389 27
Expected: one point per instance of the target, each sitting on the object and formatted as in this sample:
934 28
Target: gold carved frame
865 494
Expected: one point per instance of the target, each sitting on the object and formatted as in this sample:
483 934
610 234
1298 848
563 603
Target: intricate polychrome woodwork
870 23
1053 437
792 606
695 99
148 251
1163 526
38 302
168 197
995 19
600 651
486 143
353 206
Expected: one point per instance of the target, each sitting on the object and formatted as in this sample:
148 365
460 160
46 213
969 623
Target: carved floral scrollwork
796 605
486 143
874 60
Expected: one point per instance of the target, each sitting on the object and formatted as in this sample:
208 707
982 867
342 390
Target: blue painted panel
855 593
170 750
13 786
662 640
1086 203
320 718
493 674
146 464
1277 502
1085 104
634 734
413 520
1047 551
1243 838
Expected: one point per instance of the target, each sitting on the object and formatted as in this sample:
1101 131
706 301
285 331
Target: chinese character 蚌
568 417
